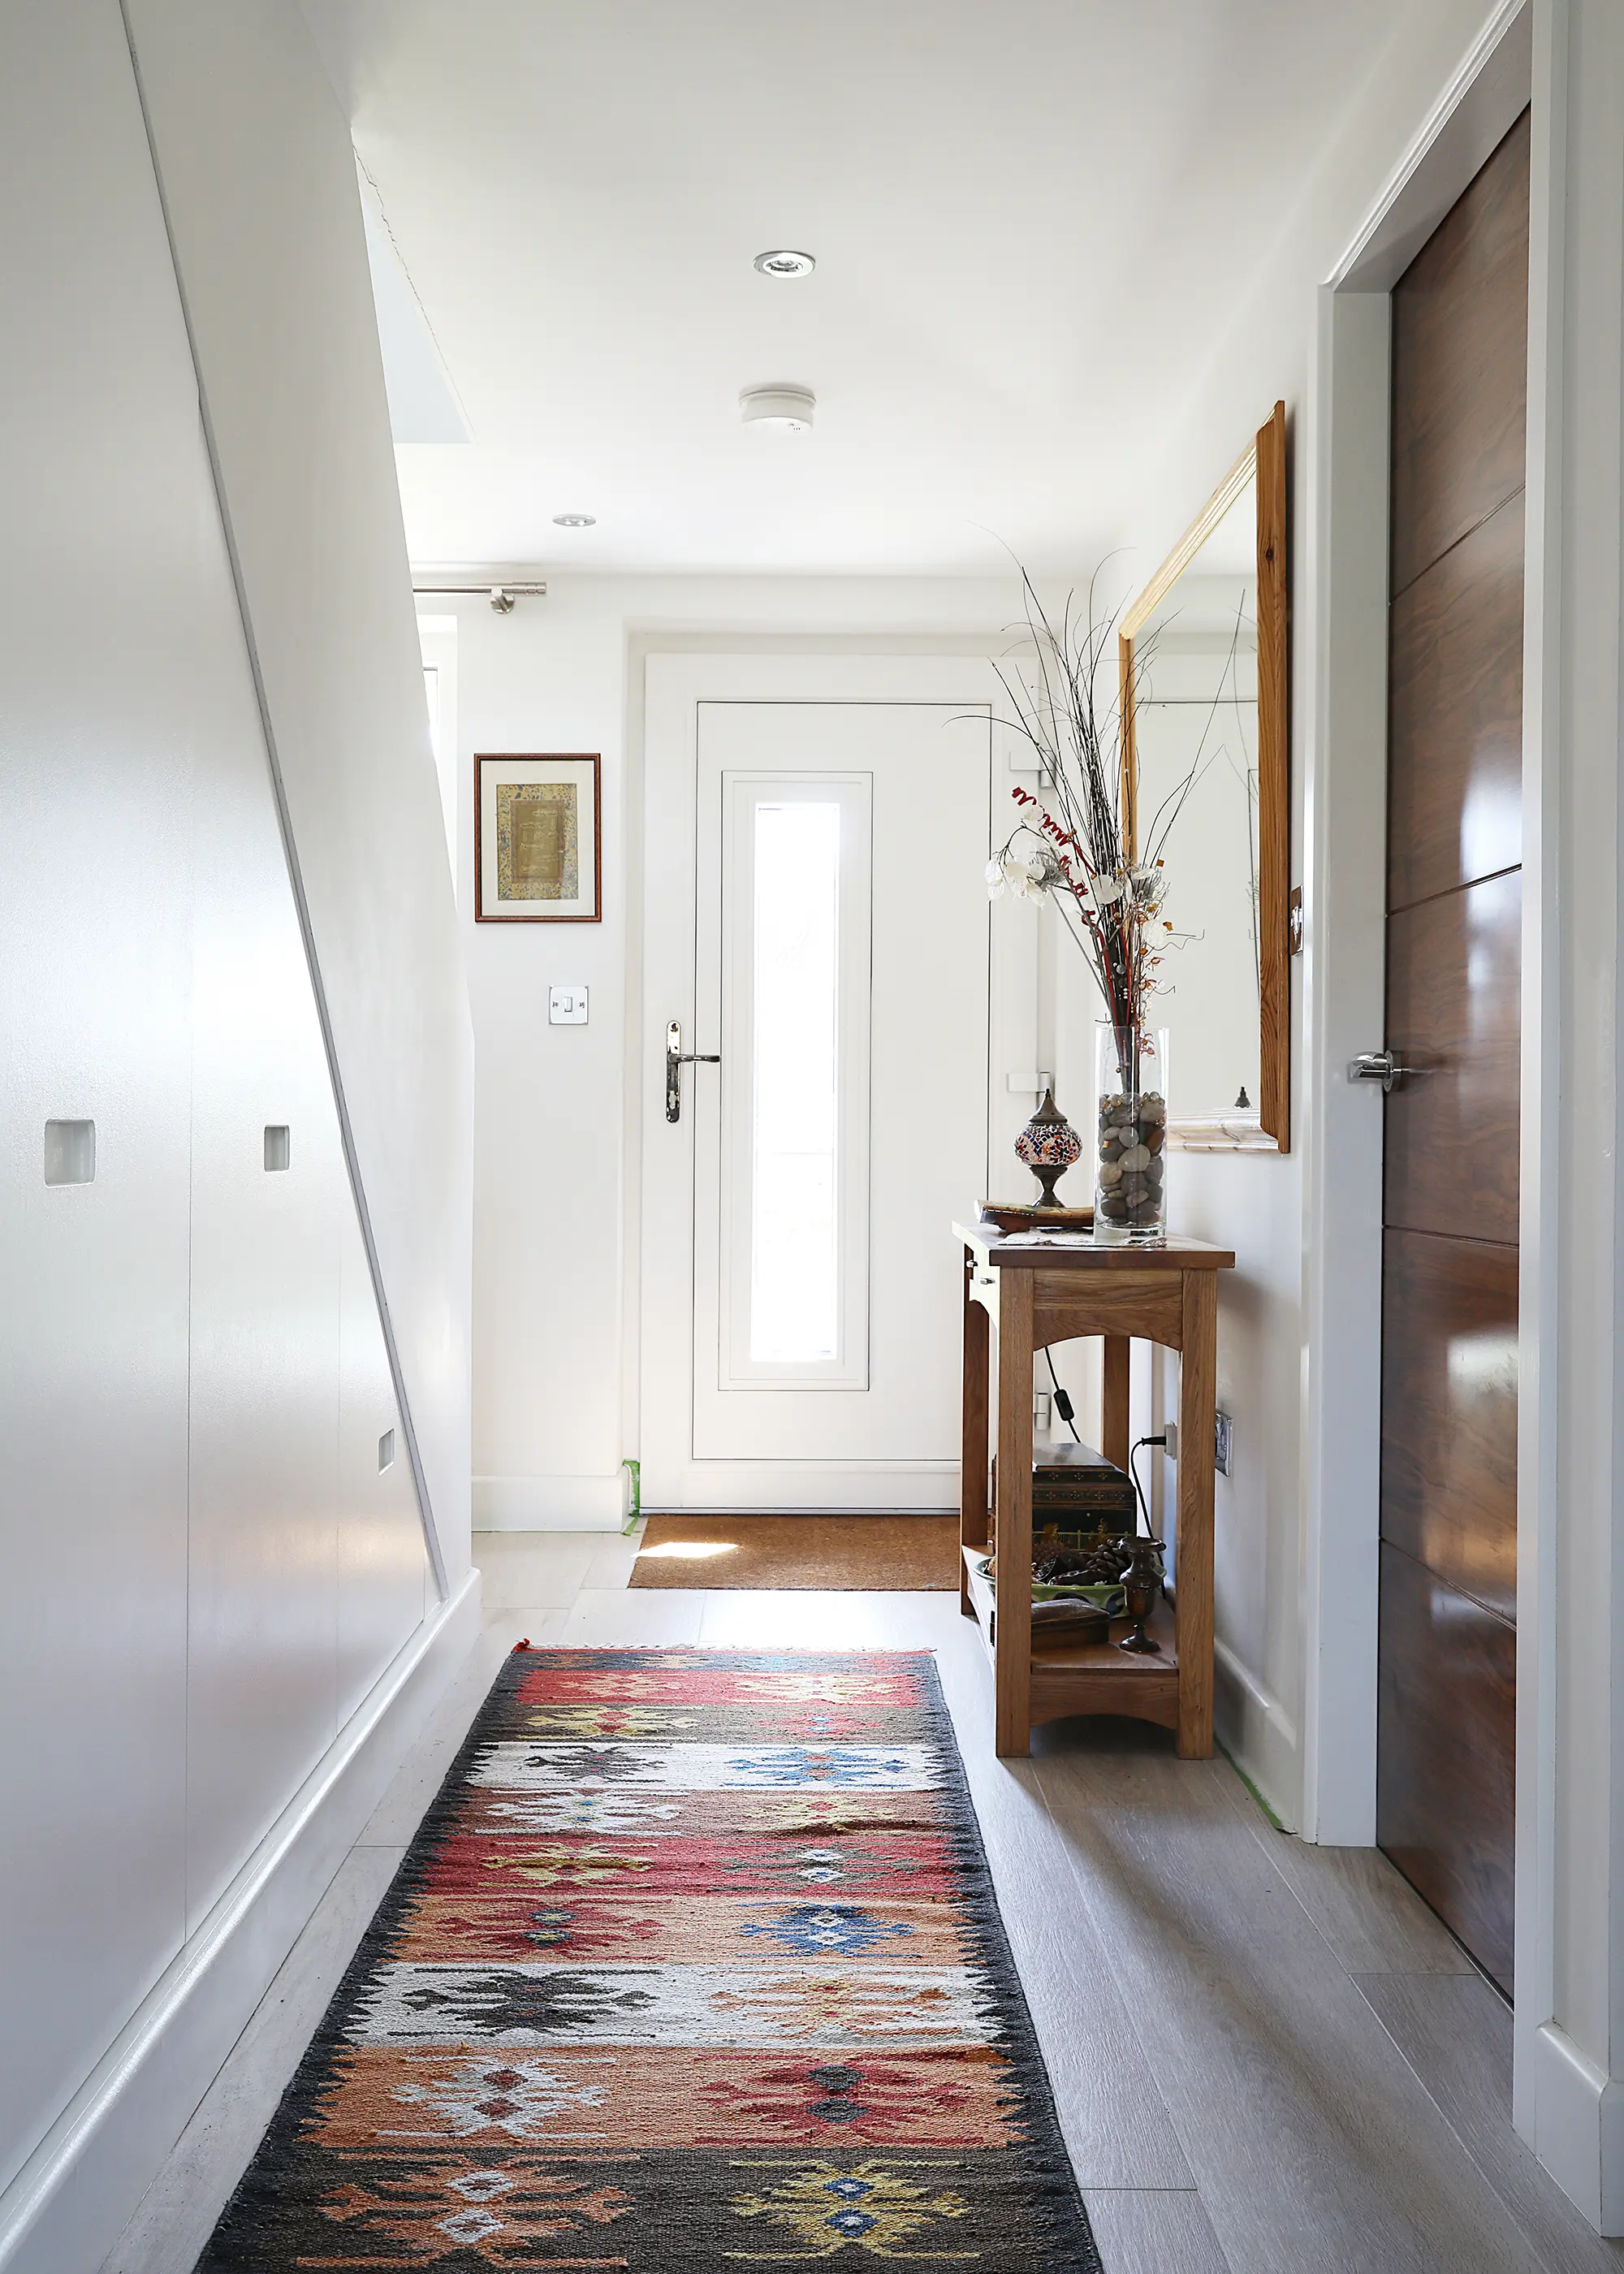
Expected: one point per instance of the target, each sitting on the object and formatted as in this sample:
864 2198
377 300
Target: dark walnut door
1445 1788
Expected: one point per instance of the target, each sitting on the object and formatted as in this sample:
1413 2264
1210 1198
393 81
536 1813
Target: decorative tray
1106 1601
1014 1217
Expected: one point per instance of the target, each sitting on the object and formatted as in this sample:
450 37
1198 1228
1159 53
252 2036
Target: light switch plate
567 1006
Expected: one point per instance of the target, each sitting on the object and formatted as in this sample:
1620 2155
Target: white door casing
936 997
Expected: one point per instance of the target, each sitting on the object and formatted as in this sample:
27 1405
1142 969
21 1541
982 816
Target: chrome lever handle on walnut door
1379 1065
676 1058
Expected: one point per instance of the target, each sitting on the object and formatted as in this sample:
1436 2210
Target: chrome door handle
676 1058
1379 1066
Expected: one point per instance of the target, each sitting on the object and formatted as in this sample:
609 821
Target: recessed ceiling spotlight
785 264
574 521
778 409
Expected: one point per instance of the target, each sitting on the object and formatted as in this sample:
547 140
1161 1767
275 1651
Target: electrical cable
1139 1490
1063 1406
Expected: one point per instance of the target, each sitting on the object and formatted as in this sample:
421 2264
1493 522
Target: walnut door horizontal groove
1460 366
1455 691
1449 1410
1454 977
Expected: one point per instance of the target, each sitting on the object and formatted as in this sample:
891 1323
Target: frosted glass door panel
793 1091
795 1081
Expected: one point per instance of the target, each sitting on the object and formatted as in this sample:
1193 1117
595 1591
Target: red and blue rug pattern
695 1964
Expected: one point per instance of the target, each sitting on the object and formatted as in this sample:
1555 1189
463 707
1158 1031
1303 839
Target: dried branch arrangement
1069 845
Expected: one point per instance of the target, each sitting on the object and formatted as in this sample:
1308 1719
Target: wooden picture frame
538 850
1264 463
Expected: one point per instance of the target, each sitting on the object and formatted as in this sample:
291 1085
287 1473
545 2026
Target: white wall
213 1642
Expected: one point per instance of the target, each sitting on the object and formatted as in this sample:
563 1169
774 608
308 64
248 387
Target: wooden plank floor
1267 2058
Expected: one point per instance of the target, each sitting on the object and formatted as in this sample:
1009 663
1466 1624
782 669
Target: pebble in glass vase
1049 1146
1130 1204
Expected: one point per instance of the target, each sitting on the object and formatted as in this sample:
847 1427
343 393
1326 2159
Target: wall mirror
1203 662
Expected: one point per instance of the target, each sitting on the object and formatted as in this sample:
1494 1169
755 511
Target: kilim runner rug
695 1965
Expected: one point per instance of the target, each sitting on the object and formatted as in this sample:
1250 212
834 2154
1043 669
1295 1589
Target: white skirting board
71 2201
1257 1732
553 1503
1580 2127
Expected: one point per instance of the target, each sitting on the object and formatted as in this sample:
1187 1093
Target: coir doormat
909 1553
693 1965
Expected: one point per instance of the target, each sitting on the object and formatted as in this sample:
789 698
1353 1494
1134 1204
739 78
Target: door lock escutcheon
676 1058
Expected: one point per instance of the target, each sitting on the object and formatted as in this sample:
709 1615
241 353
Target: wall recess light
574 521
786 263
778 409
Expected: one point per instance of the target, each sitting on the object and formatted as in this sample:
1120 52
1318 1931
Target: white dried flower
1028 875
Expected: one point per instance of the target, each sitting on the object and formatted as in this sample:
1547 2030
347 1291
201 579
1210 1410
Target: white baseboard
1256 1731
553 1503
71 2200
1580 2120
804 1488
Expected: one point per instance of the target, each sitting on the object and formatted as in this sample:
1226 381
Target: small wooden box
1074 1491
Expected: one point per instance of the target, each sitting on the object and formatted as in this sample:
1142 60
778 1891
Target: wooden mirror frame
1266 460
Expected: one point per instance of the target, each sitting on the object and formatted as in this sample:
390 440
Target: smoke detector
778 409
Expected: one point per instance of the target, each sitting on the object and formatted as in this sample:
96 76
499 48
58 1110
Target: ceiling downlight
785 263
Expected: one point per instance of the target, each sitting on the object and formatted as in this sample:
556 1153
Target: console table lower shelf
1022 1298
1089 1677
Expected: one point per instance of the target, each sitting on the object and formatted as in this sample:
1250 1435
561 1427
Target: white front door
815 920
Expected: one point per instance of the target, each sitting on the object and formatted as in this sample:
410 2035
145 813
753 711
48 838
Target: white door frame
675 682
1520 56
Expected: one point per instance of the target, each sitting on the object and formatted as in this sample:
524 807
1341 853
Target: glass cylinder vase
1131 1084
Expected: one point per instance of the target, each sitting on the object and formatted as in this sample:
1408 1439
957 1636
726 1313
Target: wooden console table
1031 1296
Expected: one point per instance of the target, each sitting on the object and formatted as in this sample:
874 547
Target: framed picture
537 844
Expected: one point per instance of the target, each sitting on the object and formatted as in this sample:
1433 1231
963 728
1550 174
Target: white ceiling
1032 218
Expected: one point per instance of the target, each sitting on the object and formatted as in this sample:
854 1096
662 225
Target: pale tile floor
1267 2058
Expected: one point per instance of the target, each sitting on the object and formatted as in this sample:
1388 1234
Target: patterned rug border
1040 2125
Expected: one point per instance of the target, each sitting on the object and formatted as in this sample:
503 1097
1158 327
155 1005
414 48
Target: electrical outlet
1169 1430
1042 1422
1223 1441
